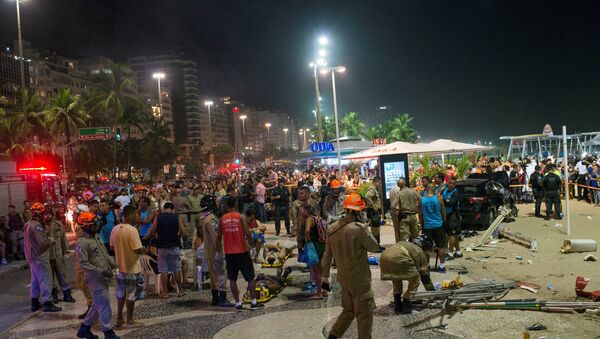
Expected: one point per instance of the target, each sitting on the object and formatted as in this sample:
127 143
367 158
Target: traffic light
118 133
236 158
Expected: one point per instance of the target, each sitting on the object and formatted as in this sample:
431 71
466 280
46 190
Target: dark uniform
551 184
535 180
281 208
97 268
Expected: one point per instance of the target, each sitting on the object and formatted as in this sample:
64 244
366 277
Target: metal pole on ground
566 179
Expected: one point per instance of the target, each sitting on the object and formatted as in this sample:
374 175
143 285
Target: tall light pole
301 133
158 76
320 62
21 60
243 118
268 126
333 70
209 103
285 130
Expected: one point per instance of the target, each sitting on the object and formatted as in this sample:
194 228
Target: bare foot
134 324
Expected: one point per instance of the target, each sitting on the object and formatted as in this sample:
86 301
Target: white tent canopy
440 146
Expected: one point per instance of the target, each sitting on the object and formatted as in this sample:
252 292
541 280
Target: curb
14 269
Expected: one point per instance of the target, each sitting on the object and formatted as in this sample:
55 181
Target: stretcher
277 263
262 295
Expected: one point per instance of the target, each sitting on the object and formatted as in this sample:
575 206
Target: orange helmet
86 218
335 184
354 201
38 207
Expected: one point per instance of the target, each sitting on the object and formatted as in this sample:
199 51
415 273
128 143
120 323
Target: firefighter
37 251
348 241
97 267
58 252
375 210
407 261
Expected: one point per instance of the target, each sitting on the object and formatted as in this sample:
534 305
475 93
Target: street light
209 103
243 118
323 40
268 126
333 70
21 60
285 130
158 76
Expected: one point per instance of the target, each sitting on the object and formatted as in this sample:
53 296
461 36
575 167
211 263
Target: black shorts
438 235
239 262
453 228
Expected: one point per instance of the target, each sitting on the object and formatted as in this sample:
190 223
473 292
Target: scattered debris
518 257
590 257
579 245
519 239
503 212
452 284
560 275
528 286
537 327
589 217
580 284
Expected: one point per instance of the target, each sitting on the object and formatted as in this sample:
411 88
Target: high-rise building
49 72
181 82
10 76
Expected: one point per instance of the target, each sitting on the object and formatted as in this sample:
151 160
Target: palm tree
328 128
65 115
374 132
156 146
135 115
401 130
112 90
351 126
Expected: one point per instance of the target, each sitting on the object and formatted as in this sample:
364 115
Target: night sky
464 69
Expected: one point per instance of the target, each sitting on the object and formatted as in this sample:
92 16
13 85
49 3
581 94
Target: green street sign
95 133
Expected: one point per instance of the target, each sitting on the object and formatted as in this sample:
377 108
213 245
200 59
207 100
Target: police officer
348 242
535 181
280 196
406 204
375 210
407 261
551 184
97 268
37 251
58 252
216 262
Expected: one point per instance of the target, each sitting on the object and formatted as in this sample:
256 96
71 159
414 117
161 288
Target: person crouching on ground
407 261
97 268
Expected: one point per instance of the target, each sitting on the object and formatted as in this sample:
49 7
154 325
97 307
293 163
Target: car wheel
514 211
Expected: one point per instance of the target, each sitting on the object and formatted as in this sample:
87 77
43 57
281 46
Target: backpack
321 228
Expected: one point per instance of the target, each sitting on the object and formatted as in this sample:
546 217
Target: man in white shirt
123 199
581 168
261 191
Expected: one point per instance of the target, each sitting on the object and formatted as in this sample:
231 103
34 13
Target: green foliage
399 129
462 165
351 125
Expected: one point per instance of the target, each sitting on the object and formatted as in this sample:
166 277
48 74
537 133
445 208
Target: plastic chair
146 262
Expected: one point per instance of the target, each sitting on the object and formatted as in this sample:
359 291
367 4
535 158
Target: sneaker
449 256
256 306
458 255
239 308
4 262
440 270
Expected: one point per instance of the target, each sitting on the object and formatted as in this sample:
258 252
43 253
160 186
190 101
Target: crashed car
480 199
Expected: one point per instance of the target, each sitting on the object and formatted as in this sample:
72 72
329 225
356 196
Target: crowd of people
221 218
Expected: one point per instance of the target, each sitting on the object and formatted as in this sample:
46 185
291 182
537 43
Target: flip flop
537 327
315 297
